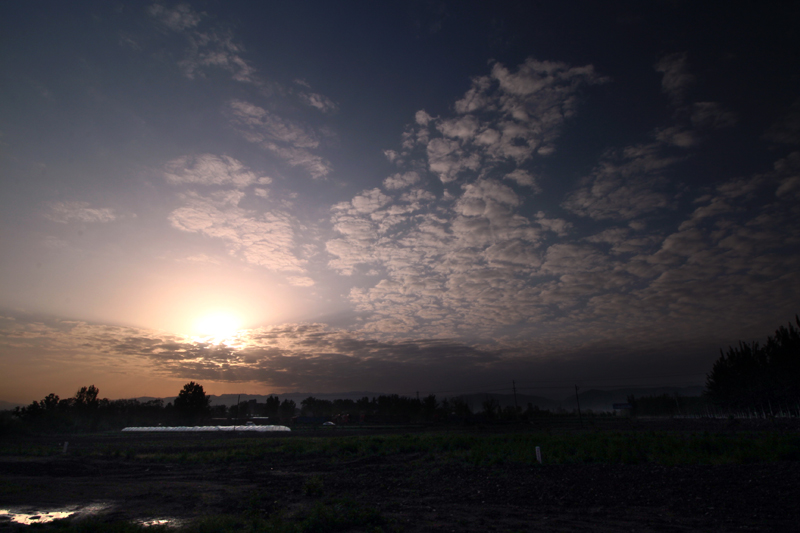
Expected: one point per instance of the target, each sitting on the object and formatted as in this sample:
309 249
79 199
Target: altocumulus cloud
65 212
214 186
473 260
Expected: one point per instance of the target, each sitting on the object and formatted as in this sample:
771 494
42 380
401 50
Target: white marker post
539 454
65 447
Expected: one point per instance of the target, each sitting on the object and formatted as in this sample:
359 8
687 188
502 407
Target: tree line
759 377
86 411
759 380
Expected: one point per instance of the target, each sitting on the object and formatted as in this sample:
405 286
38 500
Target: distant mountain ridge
8 406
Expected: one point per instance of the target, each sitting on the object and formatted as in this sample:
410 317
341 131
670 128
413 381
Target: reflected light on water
34 518
172 522
30 517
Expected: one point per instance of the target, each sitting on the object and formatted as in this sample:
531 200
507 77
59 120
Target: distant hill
8 406
296 397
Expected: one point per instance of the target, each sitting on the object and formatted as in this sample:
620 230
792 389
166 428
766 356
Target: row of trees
86 411
759 377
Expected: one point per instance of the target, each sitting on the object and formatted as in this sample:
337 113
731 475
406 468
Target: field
638 476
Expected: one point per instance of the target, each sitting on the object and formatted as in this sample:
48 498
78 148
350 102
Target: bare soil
415 492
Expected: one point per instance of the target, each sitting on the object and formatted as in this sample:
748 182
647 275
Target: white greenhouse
198 429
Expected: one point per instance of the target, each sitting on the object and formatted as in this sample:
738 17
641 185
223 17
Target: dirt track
417 493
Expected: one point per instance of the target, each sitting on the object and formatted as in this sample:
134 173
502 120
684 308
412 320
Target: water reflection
33 518
27 516
165 521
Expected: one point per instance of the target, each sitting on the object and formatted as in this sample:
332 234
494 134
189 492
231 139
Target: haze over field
413 196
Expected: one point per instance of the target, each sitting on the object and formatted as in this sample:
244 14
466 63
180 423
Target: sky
269 197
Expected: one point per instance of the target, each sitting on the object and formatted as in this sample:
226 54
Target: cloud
66 212
711 115
786 129
181 18
524 178
422 117
203 258
439 258
476 260
300 281
677 79
401 181
290 357
210 48
208 169
460 263
506 117
677 136
447 159
265 125
788 170
319 101
266 239
287 139
626 184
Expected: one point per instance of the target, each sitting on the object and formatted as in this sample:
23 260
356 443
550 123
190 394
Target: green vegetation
616 447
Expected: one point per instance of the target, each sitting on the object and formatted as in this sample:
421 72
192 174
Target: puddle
40 516
33 518
165 521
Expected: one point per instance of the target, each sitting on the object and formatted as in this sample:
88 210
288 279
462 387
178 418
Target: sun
218 327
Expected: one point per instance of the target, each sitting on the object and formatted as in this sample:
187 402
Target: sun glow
217 327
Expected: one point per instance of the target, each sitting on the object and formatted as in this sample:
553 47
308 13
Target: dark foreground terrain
391 483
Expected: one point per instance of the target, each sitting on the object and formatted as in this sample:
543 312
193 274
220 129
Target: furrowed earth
402 487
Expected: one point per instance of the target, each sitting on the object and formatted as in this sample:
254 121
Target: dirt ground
416 493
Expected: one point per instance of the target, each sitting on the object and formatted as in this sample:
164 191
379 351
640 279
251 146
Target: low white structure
252 429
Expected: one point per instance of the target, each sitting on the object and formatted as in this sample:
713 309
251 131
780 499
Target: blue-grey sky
392 196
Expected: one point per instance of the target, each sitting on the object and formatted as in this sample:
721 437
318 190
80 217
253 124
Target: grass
614 447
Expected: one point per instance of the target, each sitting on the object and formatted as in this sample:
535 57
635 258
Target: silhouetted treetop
752 375
192 401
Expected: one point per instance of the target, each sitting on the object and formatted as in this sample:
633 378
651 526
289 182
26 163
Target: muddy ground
415 492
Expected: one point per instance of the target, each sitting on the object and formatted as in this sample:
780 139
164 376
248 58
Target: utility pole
580 417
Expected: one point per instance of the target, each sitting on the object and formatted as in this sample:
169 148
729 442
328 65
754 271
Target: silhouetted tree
315 407
491 408
286 410
272 405
86 397
755 376
429 406
192 404
461 409
50 402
